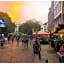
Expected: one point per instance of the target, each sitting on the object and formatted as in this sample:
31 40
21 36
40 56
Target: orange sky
20 11
12 8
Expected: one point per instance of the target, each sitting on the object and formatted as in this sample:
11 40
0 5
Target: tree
29 25
9 25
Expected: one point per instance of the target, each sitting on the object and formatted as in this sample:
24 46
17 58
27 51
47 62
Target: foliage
8 23
28 26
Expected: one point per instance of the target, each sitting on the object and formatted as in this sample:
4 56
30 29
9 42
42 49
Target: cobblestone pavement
49 53
17 54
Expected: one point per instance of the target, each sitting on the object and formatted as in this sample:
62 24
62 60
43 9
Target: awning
42 33
58 30
61 31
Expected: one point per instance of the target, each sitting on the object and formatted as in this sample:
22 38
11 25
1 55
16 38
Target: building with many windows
58 14
51 17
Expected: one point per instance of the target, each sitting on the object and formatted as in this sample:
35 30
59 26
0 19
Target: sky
20 11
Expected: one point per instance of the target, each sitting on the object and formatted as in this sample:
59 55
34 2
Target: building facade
51 17
58 14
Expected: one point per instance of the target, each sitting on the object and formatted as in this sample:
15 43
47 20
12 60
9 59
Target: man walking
36 49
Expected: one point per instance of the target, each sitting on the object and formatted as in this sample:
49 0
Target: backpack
36 49
24 40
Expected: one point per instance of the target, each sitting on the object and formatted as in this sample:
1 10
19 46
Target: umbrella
42 33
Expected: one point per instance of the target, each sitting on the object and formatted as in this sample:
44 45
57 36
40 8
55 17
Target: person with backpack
37 49
24 42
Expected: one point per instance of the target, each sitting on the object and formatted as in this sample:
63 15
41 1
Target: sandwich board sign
2 23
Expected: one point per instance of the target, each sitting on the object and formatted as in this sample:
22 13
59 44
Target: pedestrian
12 39
37 49
22 41
1 41
8 38
27 42
61 53
17 38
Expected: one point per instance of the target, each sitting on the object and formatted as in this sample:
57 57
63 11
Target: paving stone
17 54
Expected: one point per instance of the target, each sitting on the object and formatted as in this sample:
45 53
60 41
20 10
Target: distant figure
8 38
1 41
27 42
22 41
36 49
17 38
12 39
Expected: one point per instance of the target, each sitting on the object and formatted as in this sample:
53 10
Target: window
63 3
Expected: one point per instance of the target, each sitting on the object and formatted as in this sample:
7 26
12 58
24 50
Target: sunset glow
20 11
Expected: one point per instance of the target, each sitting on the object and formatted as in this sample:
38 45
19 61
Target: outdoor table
61 57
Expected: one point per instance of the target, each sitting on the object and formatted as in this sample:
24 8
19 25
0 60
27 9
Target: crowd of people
58 45
11 38
25 43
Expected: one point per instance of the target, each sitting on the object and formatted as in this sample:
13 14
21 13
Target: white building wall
45 28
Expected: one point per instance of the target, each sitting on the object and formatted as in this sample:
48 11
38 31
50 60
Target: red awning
42 33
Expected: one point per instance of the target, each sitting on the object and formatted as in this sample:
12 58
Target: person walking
17 38
37 49
8 38
27 42
22 41
1 41
12 39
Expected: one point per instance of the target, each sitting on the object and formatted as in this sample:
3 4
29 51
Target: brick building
51 17
56 14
